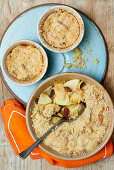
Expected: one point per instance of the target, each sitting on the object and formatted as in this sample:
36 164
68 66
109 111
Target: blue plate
25 27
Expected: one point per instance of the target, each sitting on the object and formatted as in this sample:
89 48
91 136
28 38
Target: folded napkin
13 117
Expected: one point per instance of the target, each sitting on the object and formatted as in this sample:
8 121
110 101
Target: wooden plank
101 11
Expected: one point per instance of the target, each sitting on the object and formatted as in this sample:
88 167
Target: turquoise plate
25 27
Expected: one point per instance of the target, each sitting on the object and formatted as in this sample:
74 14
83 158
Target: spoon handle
26 152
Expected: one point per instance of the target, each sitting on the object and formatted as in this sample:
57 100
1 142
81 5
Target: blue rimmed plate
92 46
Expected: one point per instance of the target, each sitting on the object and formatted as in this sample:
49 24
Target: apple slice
74 110
76 97
48 90
44 99
61 96
73 84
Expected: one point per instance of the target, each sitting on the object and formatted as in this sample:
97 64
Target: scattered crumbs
77 52
68 65
83 64
88 53
74 50
87 42
74 59
94 60
78 62
80 67
75 66
85 67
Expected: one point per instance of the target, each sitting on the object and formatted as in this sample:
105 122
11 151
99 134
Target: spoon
26 152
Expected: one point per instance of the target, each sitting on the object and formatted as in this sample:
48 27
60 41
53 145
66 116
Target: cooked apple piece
76 97
63 102
48 90
44 99
74 110
73 84
61 96
60 115
55 119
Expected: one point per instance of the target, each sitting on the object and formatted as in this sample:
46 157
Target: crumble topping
61 29
25 62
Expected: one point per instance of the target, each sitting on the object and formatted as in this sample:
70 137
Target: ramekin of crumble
24 62
60 28
60 95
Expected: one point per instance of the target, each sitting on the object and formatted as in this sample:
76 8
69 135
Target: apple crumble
83 134
60 29
25 62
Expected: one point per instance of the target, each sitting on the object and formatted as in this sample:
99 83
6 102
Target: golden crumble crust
25 62
60 29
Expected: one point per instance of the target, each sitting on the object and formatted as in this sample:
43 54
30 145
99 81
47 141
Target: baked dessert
60 29
80 136
25 62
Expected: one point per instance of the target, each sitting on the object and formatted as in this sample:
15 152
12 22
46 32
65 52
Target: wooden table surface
102 12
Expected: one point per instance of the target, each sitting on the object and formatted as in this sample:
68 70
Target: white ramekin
46 14
11 78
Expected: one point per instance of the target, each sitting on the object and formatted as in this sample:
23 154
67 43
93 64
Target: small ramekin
11 78
50 11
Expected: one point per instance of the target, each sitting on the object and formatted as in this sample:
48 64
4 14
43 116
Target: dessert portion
64 99
60 29
25 62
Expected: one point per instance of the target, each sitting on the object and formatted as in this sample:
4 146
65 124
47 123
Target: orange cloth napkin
13 117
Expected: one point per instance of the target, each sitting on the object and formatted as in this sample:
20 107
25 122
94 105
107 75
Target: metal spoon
26 152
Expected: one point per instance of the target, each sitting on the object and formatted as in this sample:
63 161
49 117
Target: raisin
36 100
61 107
82 85
83 103
33 46
61 23
66 113
52 93
68 89
24 45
